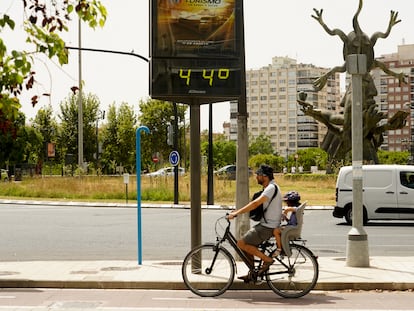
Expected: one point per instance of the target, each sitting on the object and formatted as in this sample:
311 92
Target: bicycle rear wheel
295 276
208 270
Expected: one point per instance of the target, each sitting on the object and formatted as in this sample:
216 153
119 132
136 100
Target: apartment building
393 97
272 108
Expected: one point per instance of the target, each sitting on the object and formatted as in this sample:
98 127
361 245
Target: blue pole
138 165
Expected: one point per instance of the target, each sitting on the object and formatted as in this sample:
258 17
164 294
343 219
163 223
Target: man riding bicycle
262 231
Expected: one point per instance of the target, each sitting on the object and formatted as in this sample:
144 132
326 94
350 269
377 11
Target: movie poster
194 28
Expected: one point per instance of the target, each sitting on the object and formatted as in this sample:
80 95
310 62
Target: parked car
388 193
4 175
166 171
229 172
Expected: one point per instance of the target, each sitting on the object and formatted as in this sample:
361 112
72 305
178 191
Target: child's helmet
292 196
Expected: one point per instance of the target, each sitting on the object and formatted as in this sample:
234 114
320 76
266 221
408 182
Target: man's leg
253 250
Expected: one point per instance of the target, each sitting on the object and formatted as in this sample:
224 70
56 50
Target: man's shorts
257 235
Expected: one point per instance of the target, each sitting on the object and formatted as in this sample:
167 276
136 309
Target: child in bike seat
292 199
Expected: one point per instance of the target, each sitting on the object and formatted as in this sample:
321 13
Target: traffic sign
174 158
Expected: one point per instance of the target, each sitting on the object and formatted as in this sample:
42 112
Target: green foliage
224 152
260 145
118 139
276 162
68 136
393 157
45 22
45 124
156 115
310 157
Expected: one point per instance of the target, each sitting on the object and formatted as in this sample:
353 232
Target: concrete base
357 254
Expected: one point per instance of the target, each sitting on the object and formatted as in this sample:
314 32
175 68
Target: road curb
156 285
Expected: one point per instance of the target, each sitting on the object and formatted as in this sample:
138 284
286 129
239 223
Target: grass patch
316 189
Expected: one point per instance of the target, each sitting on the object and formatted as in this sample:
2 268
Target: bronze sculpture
337 142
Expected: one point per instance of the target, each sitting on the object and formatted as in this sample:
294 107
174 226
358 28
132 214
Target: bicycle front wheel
208 270
294 276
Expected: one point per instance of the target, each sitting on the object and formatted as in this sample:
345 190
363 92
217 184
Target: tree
276 162
156 115
393 157
310 157
44 22
10 131
224 151
119 138
45 124
68 136
260 145
110 141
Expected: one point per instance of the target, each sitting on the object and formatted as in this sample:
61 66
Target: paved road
90 233
134 300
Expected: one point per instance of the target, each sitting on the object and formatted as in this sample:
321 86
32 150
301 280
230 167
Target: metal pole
175 145
195 165
138 165
242 174
80 108
357 246
210 180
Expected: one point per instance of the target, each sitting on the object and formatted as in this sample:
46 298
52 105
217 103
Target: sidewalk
384 273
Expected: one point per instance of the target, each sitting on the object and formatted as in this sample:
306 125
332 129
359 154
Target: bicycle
209 269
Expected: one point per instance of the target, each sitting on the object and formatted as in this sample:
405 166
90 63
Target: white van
388 192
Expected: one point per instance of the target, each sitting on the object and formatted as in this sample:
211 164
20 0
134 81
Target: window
407 179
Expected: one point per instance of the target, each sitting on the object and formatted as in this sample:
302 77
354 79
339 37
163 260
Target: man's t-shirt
273 213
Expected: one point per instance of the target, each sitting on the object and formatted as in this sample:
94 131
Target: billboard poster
51 150
194 28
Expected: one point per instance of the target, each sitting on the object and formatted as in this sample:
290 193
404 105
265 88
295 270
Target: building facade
271 93
393 97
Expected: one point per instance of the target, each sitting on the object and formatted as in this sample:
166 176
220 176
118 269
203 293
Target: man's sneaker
264 268
244 278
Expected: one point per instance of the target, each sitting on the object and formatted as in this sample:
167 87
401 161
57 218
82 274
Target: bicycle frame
229 237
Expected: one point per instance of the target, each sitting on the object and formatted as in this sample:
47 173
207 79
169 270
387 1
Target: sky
272 28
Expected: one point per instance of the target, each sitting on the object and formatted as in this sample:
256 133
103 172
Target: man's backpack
258 213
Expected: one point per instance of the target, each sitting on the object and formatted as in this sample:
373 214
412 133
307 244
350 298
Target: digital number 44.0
208 74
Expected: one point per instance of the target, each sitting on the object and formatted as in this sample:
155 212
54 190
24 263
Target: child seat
290 233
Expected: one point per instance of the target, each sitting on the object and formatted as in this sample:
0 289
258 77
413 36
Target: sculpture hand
397 121
402 78
319 83
371 118
394 19
318 16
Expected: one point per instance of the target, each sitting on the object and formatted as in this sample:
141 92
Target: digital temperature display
201 78
196 50
222 74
